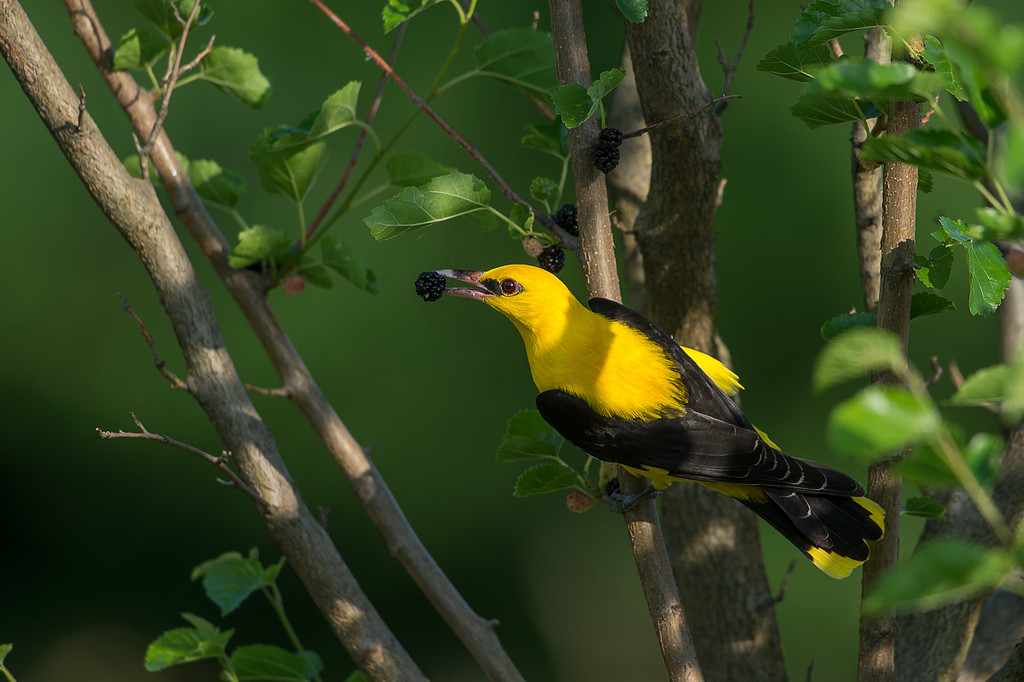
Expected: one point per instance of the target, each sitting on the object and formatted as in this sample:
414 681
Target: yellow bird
622 390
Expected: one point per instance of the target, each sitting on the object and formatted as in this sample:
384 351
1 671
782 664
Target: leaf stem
273 595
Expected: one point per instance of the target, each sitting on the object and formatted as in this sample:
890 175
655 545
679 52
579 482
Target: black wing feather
711 441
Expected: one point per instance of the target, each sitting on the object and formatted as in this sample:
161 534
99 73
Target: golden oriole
622 390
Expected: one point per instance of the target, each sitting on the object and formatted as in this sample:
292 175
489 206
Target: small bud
532 246
293 285
579 502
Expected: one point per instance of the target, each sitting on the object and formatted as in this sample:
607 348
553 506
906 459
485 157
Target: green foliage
237 73
881 419
257 243
574 104
989 276
395 12
797 63
823 21
4 650
529 438
634 11
162 14
443 198
229 580
856 353
139 48
519 57
545 478
924 508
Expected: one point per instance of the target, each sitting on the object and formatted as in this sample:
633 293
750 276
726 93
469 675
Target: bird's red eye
509 287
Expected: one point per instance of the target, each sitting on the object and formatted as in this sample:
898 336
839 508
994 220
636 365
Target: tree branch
299 535
599 268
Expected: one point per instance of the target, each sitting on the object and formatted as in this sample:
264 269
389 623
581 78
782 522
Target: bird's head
525 294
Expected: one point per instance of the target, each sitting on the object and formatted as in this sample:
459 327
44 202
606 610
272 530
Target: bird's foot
622 502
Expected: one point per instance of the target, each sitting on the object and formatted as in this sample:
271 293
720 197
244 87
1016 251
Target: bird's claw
622 503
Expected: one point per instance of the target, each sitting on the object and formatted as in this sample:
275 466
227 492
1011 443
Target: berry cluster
606 149
552 259
567 219
430 286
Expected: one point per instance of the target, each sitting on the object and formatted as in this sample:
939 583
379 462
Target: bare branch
219 462
680 117
161 366
730 68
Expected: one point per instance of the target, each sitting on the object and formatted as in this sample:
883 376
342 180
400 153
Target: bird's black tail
833 531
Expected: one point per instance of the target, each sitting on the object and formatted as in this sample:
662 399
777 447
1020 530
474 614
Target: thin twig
358 148
506 188
784 586
219 462
81 107
680 117
281 392
161 366
936 372
730 68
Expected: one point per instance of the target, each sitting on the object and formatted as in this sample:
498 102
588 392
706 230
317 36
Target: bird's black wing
693 446
712 440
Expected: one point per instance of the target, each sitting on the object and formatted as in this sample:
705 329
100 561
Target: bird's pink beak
472 277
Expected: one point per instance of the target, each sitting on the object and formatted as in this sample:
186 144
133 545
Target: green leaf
257 243
337 111
982 454
940 572
925 181
443 198
866 79
934 271
395 12
797 63
935 54
926 303
529 437
823 21
939 150
414 169
881 419
285 163
924 508
237 73
543 189
161 14
843 323
215 185
986 267
266 662
5 649
230 579
357 676
574 104
344 260
544 478
634 11
139 48
184 645
923 465
522 216
1011 160
317 274
550 138
520 57
857 353
818 110
997 225
986 386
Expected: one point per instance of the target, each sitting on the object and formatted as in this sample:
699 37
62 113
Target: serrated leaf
344 260
139 48
924 466
215 185
866 79
337 111
818 110
395 12
266 662
544 478
986 267
634 11
935 54
529 437
925 508
443 198
857 353
237 73
797 63
940 572
520 57
574 104
550 138
161 14
926 303
843 323
414 169
184 645
522 216
934 271
881 419
939 150
229 579
286 165
317 274
257 243
823 21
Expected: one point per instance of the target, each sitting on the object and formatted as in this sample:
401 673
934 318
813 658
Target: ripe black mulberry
552 259
567 218
430 286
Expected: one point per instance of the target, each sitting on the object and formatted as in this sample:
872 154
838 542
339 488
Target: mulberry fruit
567 218
606 149
552 259
430 286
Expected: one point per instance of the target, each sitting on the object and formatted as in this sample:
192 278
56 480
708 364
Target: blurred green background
99 537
